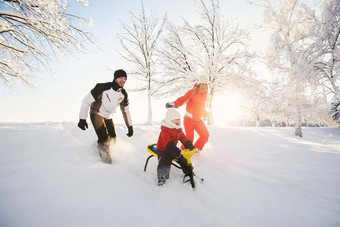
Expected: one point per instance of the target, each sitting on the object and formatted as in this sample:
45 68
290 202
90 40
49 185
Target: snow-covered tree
257 99
214 47
264 100
335 109
289 53
315 107
275 103
177 59
139 44
32 32
328 42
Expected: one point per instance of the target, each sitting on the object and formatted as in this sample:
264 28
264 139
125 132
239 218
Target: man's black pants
104 128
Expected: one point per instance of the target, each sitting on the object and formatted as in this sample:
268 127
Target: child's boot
161 181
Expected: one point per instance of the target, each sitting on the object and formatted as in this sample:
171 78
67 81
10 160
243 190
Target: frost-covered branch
34 32
327 44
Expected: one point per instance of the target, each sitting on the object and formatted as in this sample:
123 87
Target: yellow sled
153 151
186 154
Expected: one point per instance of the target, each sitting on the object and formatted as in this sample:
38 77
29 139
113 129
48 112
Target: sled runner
187 154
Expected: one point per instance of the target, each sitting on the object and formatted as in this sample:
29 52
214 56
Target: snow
51 175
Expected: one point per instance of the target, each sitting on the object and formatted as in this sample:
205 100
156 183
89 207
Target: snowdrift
51 175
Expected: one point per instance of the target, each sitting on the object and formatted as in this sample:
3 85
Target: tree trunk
210 112
298 122
298 128
149 108
210 118
257 124
273 123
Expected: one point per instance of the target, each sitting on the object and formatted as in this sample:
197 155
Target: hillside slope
51 175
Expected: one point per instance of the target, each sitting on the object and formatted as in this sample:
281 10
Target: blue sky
59 93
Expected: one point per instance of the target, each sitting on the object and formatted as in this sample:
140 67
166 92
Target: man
102 101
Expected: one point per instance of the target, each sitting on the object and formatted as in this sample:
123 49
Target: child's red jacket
170 134
196 104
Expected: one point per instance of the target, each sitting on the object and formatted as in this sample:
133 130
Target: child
171 132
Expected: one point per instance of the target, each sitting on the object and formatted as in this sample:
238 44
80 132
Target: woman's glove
169 105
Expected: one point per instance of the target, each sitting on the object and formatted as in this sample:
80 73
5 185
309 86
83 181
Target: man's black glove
188 145
83 124
130 133
169 105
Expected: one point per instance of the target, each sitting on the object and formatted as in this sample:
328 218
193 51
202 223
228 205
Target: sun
227 108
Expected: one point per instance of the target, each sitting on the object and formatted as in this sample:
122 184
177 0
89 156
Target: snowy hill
51 175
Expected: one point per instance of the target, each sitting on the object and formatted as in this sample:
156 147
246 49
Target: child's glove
172 150
188 145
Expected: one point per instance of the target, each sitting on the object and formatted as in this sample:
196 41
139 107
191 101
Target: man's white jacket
104 99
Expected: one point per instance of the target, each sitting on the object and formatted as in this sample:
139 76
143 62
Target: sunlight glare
227 108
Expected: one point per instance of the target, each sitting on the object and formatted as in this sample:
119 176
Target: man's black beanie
119 73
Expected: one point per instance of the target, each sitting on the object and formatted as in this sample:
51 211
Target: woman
195 100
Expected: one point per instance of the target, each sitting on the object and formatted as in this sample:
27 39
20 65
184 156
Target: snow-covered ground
51 175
